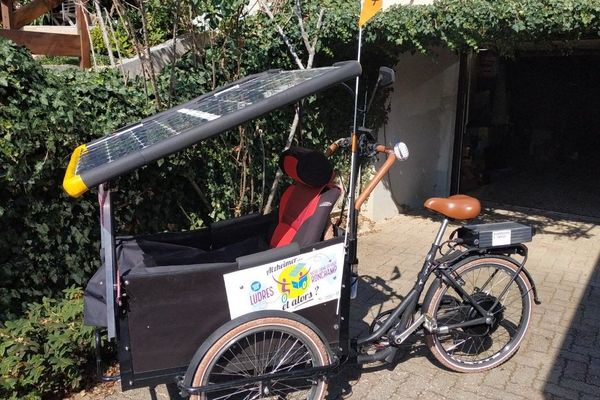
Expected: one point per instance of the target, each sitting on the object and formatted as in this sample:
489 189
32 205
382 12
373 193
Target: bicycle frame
442 268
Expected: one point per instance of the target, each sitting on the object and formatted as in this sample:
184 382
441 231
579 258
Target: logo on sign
293 283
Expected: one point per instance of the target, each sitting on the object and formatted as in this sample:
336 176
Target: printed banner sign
290 284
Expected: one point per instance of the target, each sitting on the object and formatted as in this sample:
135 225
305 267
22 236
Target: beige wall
423 112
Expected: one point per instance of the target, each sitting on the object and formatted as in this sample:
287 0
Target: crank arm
423 319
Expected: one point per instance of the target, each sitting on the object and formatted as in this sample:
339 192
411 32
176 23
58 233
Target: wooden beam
25 15
51 44
65 29
6 7
84 37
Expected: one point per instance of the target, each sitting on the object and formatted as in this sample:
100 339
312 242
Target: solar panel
182 126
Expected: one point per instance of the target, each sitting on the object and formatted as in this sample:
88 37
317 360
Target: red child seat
305 206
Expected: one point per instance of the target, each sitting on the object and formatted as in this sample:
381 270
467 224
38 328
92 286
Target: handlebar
340 143
400 152
390 160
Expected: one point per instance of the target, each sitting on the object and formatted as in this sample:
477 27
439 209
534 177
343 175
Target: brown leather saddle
458 207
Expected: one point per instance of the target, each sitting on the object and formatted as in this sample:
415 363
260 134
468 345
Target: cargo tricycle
259 306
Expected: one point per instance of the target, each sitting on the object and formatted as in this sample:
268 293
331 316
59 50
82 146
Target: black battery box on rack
497 234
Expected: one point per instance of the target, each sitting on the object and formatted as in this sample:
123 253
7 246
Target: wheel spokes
261 354
475 344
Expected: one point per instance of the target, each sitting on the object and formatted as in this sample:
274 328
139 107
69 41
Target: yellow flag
369 9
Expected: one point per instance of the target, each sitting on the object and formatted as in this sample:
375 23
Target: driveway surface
560 357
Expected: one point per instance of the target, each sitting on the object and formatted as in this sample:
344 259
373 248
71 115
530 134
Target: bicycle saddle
459 206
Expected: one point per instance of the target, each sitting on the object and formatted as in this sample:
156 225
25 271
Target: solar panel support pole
108 256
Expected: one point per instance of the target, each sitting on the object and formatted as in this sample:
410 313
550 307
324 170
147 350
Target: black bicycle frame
443 269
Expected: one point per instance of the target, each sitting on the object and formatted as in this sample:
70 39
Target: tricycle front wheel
261 347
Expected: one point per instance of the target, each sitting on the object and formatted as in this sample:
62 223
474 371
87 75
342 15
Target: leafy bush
473 24
45 354
48 242
119 42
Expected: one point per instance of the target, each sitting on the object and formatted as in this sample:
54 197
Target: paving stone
525 391
524 375
498 377
579 386
567 354
462 394
560 392
593 380
470 382
540 343
493 393
589 397
575 370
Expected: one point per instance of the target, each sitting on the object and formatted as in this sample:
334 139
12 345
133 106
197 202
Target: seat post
440 234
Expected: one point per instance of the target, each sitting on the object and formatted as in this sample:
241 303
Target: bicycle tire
468 349
232 350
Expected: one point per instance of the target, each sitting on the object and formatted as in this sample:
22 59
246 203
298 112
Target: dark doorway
533 132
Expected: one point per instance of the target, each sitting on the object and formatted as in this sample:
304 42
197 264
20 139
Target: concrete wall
162 55
423 113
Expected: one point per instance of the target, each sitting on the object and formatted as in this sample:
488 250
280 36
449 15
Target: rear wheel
485 346
258 348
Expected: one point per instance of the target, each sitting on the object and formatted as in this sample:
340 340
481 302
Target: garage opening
532 133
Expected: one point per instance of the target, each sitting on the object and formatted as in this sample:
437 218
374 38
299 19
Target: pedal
381 344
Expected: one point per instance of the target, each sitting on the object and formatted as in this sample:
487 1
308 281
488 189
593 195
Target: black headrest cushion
306 166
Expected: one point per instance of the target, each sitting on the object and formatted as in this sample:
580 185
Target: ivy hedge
46 241
473 24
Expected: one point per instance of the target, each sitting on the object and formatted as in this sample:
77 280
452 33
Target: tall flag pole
368 10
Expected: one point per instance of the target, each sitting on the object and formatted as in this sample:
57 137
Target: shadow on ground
375 296
575 371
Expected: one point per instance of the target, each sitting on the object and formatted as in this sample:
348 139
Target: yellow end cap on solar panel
72 183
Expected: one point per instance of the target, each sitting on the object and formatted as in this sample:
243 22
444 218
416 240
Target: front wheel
480 347
258 348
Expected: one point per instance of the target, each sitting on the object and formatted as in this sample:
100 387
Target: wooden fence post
7 13
84 38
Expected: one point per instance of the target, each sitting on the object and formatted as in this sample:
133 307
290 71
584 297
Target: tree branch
298 11
279 174
149 55
285 38
313 47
